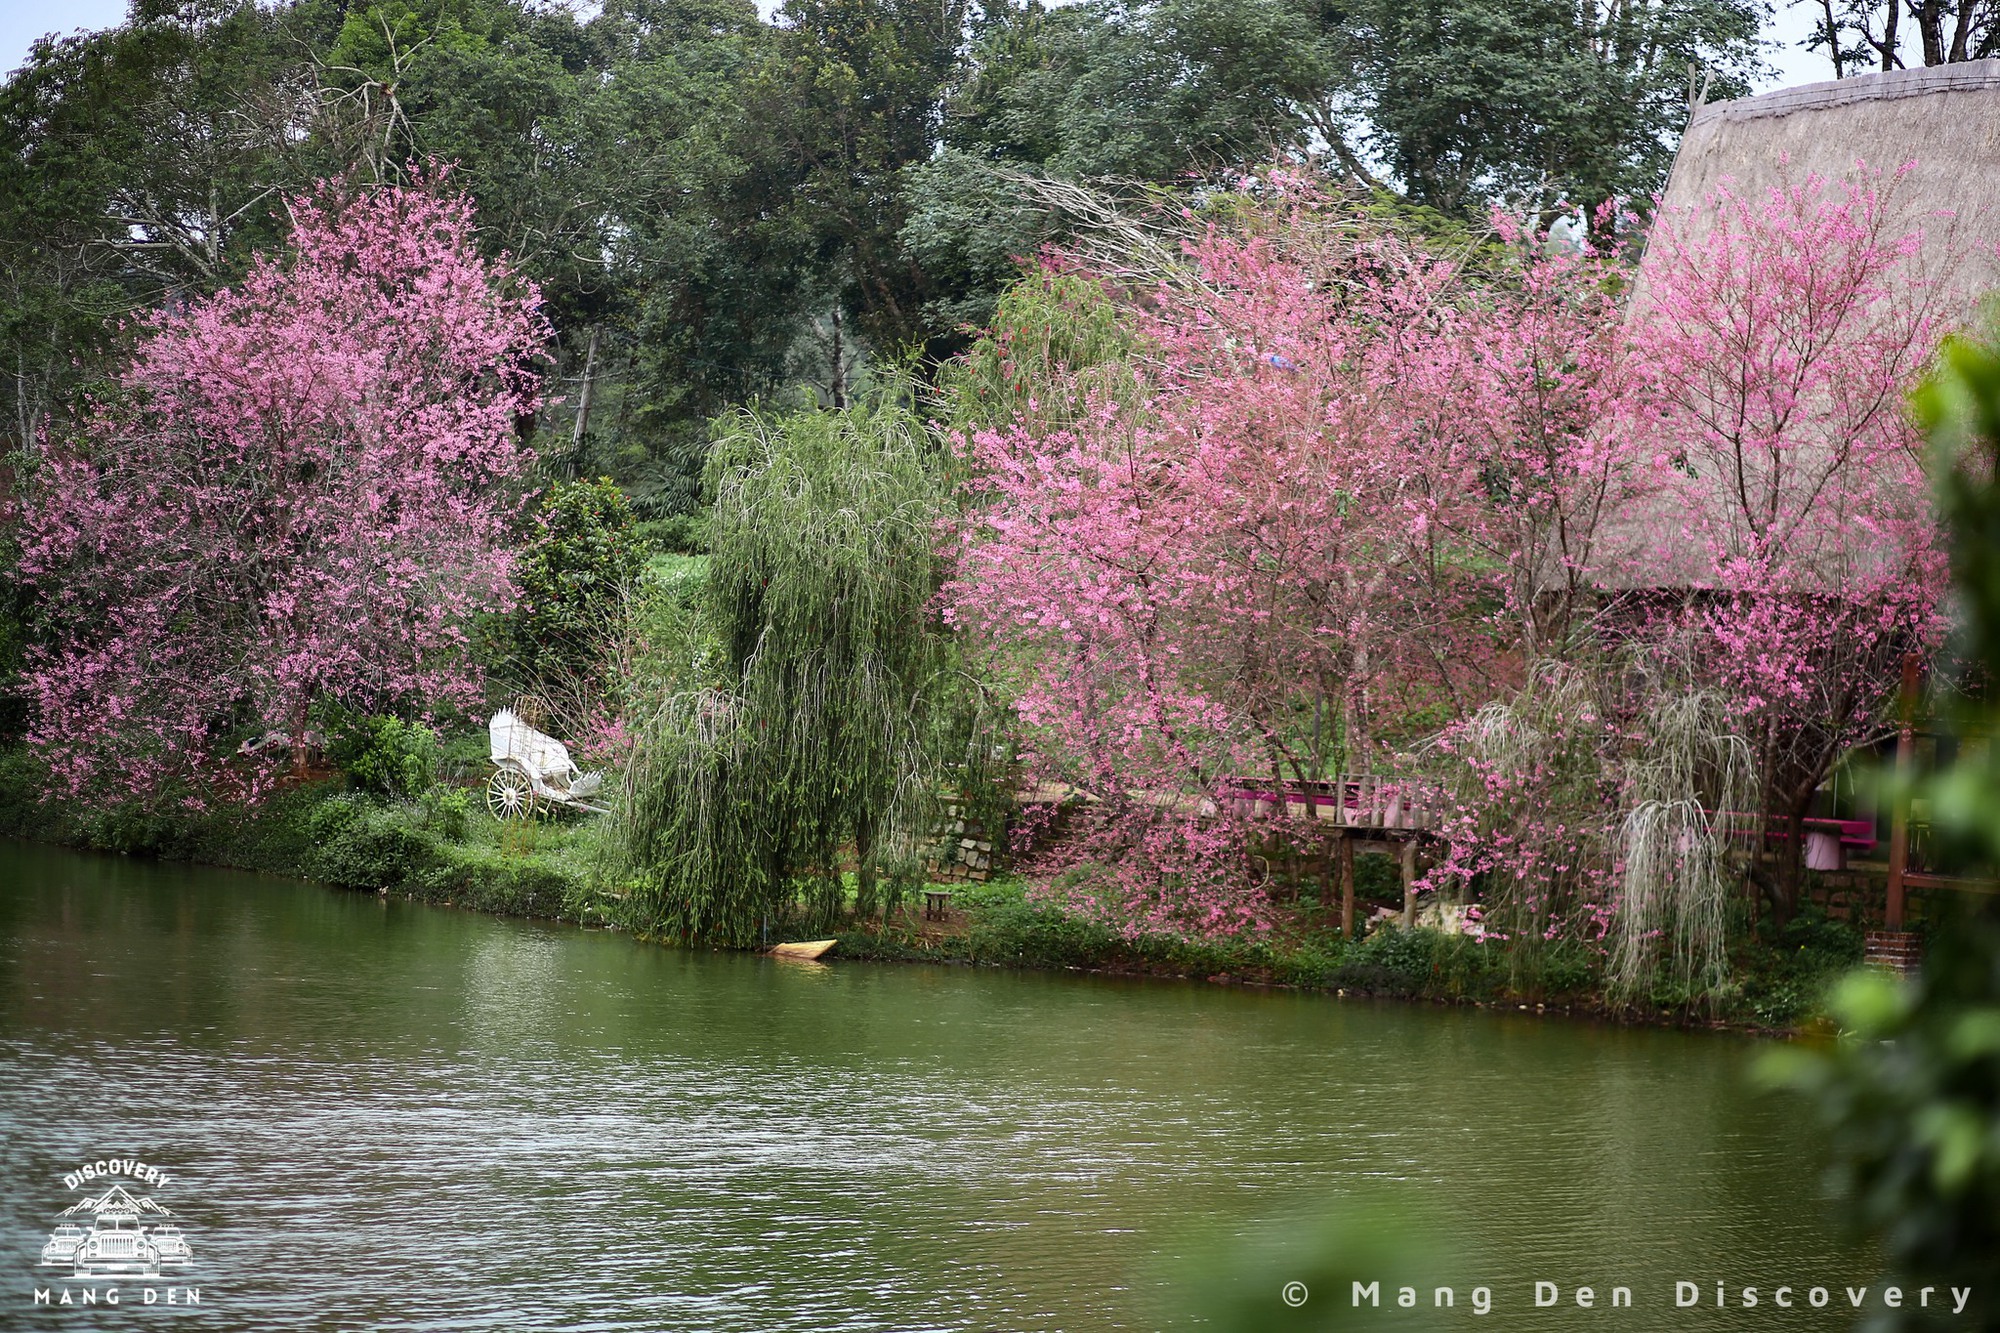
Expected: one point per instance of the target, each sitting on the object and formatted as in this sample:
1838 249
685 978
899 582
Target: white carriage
532 769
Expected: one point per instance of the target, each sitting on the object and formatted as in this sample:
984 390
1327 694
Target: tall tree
820 731
1465 99
1223 563
715 269
1774 352
1859 34
852 95
1169 92
305 478
140 163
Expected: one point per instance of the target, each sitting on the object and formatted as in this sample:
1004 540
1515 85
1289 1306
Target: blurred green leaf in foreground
1910 1095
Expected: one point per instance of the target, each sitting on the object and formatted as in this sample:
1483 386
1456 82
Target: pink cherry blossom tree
1773 352
1545 368
299 491
1336 471
1221 572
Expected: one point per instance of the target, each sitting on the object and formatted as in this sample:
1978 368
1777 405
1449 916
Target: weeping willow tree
1528 815
1602 802
823 735
1686 780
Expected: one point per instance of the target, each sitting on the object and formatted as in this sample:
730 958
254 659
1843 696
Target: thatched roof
1945 119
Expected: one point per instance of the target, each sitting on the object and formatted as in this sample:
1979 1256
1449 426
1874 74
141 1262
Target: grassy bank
1777 986
447 850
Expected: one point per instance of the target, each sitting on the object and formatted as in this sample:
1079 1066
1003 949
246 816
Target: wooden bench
937 904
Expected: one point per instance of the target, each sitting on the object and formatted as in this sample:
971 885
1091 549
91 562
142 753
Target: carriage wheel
509 795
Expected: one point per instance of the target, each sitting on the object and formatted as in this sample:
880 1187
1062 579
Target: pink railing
1353 800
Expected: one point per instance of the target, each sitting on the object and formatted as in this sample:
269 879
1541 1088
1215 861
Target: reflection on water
388 1116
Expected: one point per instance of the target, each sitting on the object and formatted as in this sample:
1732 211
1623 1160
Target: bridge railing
1353 800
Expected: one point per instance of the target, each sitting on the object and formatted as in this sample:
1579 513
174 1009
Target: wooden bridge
1367 813
1397 808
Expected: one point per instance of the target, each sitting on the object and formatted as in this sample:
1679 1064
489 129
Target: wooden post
1346 849
1899 821
1328 859
1409 878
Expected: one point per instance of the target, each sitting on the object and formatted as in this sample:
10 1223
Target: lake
374 1114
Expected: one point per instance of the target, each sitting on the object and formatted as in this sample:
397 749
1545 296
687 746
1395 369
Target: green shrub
1790 981
333 817
1394 961
447 811
388 756
684 534
1023 934
360 844
1405 953
1564 967
584 560
488 880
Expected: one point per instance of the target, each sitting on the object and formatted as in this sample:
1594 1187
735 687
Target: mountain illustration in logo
116 1241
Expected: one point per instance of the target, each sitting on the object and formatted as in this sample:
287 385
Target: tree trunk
1354 717
1833 39
1786 884
864 868
1408 866
1346 853
583 405
837 379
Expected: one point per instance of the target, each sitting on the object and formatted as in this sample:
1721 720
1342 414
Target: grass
999 924
426 850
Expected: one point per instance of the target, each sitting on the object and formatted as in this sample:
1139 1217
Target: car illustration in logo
117 1250
61 1249
117 1243
172 1246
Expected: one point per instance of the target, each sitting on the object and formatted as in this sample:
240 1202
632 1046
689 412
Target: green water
378 1115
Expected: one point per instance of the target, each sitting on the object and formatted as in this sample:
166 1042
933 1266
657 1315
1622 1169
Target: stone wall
966 850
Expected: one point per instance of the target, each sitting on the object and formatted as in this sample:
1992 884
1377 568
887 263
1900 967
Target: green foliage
575 578
1469 98
360 844
16 610
1912 1099
1046 329
448 810
134 164
1393 961
671 648
1912 1095
1007 929
680 534
823 726
1299 1274
1564 968
720 209
1792 981
387 756
1146 91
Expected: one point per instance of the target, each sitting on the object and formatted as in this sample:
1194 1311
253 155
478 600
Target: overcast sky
21 21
